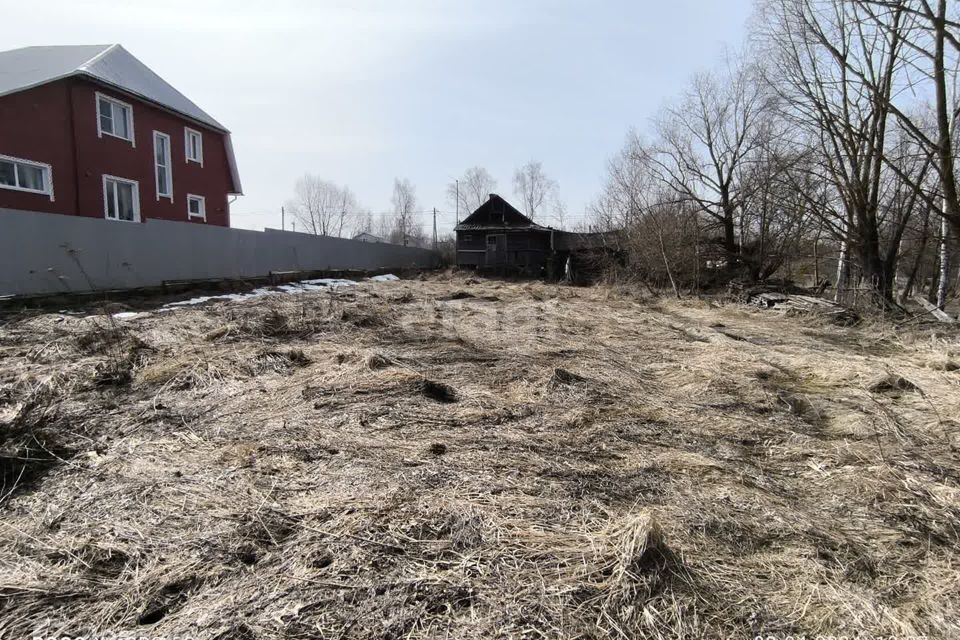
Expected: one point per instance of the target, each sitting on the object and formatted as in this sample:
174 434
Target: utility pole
434 228
283 219
458 201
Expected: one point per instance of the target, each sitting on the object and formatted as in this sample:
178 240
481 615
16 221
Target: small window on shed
467 237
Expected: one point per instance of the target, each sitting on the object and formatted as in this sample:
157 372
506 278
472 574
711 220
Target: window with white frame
121 199
163 170
114 118
196 207
193 141
25 175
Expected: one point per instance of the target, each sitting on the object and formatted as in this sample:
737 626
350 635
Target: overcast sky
361 91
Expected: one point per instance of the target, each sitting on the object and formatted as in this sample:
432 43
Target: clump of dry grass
376 361
526 461
890 382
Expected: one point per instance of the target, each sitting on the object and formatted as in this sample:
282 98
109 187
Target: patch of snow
303 286
316 285
201 300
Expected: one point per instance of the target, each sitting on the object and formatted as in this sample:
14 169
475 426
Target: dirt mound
437 391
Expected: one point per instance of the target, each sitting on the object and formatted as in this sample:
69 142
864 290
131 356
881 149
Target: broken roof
497 213
108 64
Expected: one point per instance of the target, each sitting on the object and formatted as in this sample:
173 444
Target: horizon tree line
323 207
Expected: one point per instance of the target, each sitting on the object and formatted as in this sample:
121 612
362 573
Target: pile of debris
792 299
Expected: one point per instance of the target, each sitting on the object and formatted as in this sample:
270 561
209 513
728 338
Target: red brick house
91 131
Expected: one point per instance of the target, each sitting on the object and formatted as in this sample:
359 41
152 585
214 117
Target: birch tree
534 189
407 228
322 207
471 190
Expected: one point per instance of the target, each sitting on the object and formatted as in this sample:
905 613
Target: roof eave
212 124
97 80
37 84
232 163
500 227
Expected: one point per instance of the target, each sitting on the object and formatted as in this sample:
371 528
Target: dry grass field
450 458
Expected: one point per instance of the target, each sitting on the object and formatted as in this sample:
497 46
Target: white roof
109 64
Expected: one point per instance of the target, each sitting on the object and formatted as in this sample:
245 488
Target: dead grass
471 458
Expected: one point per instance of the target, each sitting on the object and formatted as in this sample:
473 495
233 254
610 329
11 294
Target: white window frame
203 207
43 166
187 133
136 198
168 166
100 132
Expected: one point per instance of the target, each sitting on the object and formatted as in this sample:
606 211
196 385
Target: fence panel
43 253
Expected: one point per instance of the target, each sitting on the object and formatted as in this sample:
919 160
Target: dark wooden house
498 238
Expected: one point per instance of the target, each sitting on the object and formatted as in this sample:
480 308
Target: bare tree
812 46
384 227
621 202
659 234
706 141
929 31
407 229
363 222
472 190
322 207
560 213
775 218
533 187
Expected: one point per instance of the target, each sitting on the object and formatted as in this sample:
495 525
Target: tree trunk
948 183
696 273
944 262
666 263
729 234
843 271
816 255
912 277
934 279
876 274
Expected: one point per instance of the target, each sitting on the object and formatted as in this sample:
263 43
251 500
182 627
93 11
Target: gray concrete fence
43 253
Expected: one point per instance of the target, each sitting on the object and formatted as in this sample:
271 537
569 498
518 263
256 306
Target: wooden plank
935 311
815 301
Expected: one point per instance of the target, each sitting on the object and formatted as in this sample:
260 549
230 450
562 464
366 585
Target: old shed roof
497 213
